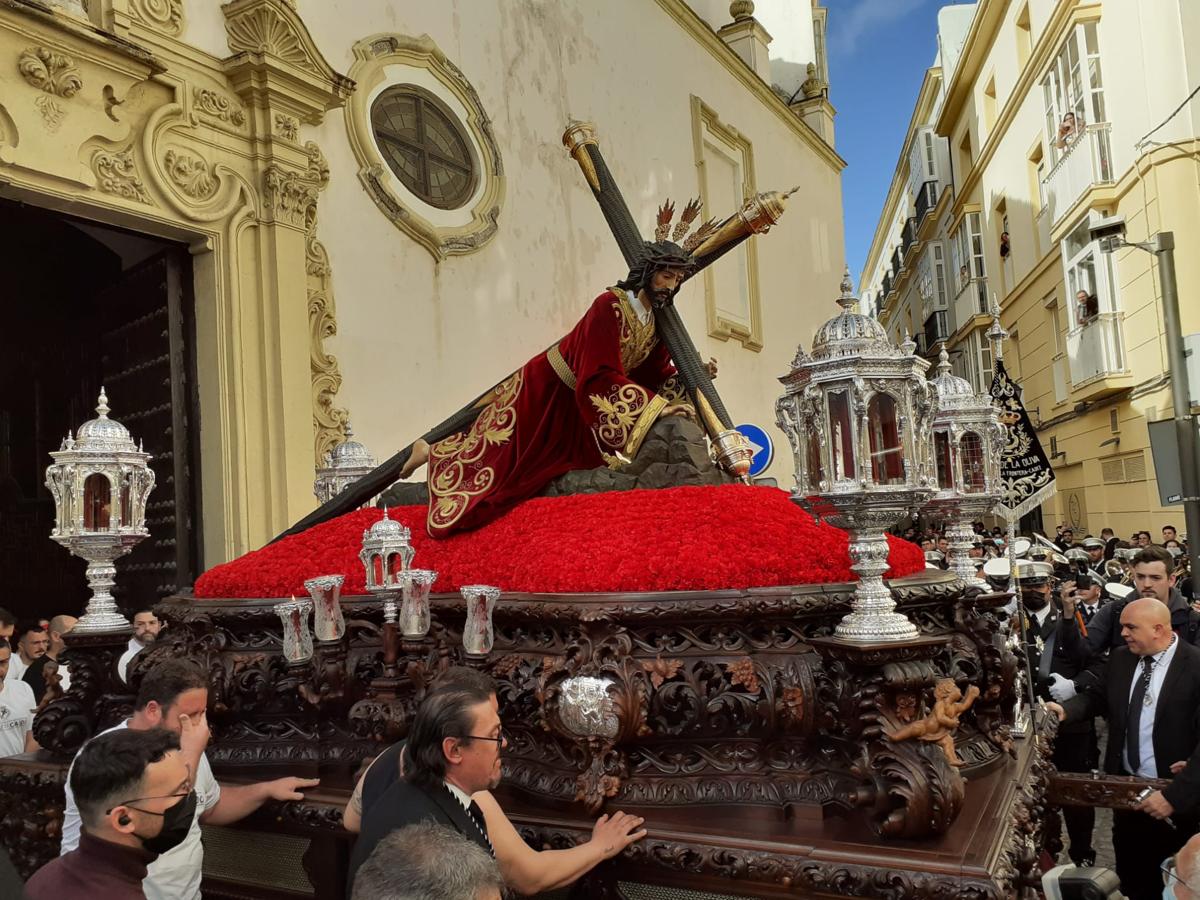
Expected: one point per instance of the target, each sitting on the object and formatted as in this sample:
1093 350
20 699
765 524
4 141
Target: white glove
1061 689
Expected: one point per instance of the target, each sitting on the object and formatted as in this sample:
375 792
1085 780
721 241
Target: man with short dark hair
38 675
1153 576
174 696
8 622
146 626
30 642
1065 539
17 706
428 862
1143 539
134 793
1169 533
1107 534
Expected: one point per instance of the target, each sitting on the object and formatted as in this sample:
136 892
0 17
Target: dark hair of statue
111 768
166 681
656 256
446 712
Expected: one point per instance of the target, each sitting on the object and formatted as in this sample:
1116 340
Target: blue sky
878 53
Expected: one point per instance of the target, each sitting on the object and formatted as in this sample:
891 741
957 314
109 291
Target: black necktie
1134 719
476 815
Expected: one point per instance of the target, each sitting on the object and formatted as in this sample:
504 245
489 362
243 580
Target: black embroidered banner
1027 480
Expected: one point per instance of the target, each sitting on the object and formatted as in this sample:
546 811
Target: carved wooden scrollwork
31 805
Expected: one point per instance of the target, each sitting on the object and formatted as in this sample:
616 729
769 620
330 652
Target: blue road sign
764 449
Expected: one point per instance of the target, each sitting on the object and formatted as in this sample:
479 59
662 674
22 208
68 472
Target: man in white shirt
174 695
17 707
146 626
1150 694
32 642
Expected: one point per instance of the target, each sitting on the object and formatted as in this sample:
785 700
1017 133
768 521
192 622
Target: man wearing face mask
173 696
134 793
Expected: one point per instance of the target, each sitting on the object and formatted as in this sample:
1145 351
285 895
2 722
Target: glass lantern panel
816 471
971 451
126 504
395 566
944 459
377 568
97 502
841 433
887 452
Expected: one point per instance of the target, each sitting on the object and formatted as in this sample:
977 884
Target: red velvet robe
534 426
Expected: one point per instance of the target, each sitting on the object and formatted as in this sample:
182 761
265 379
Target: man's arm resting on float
239 800
530 871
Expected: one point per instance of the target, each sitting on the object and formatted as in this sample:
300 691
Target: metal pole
1185 424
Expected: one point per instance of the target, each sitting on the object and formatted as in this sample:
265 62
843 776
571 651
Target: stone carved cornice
275 61
214 105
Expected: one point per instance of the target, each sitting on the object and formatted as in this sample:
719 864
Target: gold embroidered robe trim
637 338
622 419
454 477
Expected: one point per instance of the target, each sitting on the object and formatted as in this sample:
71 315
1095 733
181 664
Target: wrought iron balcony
907 235
1096 349
936 330
887 286
1084 163
896 263
926 200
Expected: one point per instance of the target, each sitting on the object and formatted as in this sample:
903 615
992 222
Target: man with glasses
444 775
134 793
174 697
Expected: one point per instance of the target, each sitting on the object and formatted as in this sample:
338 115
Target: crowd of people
427 823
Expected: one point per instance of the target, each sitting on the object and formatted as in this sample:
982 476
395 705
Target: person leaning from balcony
1005 245
1150 694
134 793
174 696
1067 131
428 862
1087 307
1153 577
451 762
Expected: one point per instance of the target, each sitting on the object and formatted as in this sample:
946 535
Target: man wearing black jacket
1151 697
453 751
1057 675
1152 577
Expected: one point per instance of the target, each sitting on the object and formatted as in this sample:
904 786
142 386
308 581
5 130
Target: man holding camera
1153 576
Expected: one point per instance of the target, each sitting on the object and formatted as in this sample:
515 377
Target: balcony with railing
936 330
908 234
1085 163
887 286
896 263
927 198
1096 357
971 301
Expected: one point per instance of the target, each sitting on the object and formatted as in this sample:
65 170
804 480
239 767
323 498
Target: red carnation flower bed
686 538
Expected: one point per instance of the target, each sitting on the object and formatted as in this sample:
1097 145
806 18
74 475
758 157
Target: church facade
254 221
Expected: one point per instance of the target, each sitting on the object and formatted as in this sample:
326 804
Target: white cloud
853 23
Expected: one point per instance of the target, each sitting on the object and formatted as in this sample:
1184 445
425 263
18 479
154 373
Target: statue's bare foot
416 459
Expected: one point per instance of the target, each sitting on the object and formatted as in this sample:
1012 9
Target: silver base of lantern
101 552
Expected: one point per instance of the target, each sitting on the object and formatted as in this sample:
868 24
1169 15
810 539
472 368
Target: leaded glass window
424 145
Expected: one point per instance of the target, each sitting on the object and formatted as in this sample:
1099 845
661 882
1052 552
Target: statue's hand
711 365
679 409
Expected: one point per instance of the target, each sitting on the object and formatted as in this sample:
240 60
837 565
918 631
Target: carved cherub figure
938 727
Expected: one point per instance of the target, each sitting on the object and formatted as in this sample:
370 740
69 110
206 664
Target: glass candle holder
297 639
326 593
478 635
414 607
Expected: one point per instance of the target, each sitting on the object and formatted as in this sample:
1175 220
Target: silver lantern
297 638
326 591
478 632
967 443
343 465
386 554
857 412
100 481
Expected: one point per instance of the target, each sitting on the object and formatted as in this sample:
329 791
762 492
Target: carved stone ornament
163 15
270 27
46 70
217 106
116 174
287 127
190 174
380 60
